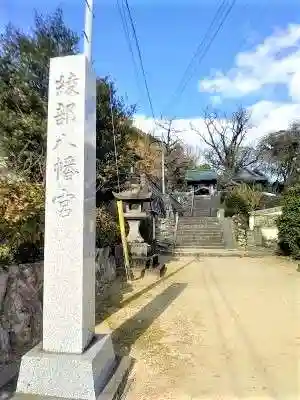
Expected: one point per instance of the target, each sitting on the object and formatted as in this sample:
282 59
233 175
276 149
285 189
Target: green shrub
28 252
270 202
107 228
234 205
21 217
6 255
242 199
289 223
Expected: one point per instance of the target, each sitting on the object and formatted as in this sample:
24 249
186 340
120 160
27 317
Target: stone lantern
142 254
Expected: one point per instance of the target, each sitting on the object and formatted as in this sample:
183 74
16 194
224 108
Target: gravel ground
213 328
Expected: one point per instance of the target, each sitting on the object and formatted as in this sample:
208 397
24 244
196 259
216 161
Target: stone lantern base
145 260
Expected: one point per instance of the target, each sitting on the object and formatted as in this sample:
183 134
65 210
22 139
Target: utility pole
163 176
88 27
163 165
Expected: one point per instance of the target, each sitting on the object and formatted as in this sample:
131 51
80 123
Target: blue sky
169 32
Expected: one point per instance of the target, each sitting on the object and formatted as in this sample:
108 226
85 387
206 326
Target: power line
207 47
140 57
201 44
138 48
204 46
121 9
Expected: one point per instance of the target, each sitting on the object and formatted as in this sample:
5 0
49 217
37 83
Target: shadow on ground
112 300
128 333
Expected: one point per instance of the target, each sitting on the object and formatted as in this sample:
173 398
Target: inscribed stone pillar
69 264
68 364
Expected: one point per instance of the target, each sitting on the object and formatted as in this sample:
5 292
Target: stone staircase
205 206
201 229
199 232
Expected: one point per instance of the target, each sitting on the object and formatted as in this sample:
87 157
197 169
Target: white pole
163 166
88 27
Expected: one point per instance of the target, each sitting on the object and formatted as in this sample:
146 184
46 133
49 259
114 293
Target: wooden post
123 237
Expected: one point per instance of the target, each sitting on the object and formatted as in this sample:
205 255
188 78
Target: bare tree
225 141
178 156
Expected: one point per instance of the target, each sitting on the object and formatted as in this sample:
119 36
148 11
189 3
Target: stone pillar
221 214
71 361
251 222
69 266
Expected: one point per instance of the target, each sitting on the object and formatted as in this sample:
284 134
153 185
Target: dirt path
218 328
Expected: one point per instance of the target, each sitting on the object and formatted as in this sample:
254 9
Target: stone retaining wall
165 230
264 218
21 301
240 230
262 229
21 309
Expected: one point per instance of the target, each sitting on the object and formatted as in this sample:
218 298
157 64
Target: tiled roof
195 175
249 175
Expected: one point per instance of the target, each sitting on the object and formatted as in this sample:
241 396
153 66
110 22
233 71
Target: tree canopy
280 154
224 140
178 157
24 74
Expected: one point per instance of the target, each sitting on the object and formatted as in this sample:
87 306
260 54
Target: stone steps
200 235
198 229
201 246
197 219
195 225
195 232
199 242
219 252
198 222
203 213
198 239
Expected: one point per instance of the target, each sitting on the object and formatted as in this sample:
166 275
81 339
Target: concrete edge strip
117 383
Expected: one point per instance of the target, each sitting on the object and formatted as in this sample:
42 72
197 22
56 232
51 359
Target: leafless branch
225 140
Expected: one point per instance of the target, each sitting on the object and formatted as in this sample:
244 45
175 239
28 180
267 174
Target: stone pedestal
134 231
70 362
94 374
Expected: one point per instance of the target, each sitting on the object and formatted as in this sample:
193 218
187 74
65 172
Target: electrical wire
218 14
138 48
204 46
136 39
122 13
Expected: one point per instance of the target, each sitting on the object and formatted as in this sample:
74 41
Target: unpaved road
218 328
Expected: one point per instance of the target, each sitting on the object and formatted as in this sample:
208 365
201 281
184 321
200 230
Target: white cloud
266 116
270 116
181 126
275 61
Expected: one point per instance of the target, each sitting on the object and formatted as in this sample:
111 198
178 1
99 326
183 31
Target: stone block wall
21 309
262 229
21 289
106 269
240 231
165 230
262 226
264 218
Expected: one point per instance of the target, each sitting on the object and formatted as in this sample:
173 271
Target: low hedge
289 223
